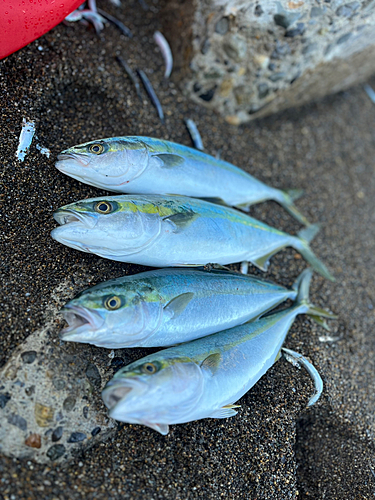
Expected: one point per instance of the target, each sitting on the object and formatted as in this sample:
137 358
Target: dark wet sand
275 448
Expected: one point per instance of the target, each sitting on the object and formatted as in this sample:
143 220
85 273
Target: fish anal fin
263 262
211 363
170 160
226 411
178 304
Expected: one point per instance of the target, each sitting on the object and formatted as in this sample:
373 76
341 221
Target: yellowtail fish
167 307
153 166
174 231
204 378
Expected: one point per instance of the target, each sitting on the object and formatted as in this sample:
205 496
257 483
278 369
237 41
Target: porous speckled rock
47 396
314 50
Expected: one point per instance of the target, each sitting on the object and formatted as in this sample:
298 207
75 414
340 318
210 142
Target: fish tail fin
304 237
316 313
287 201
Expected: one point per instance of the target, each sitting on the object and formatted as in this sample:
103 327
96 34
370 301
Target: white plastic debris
44 151
26 137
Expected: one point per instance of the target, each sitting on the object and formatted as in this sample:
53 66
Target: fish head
111 227
106 163
113 315
155 391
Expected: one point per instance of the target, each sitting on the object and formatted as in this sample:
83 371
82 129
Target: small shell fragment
162 43
194 134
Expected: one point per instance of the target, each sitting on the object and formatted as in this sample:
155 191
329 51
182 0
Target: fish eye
97 149
103 207
149 368
112 303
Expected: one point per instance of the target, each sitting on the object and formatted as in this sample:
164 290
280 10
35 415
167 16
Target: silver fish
174 231
203 378
153 166
167 307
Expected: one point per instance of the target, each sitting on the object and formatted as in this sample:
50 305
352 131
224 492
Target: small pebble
92 373
57 433
17 421
34 441
4 398
56 451
28 357
76 437
69 403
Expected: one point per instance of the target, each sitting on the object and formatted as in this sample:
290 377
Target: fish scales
167 307
205 377
137 164
170 231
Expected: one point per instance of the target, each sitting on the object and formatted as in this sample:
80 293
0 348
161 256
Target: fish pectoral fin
211 363
170 160
225 412
162 428
217 201
182 219
178 304
278 356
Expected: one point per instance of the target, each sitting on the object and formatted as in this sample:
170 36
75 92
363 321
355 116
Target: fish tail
316 313
302 245
287 201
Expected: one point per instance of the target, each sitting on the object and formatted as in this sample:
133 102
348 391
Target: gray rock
56 400
307 35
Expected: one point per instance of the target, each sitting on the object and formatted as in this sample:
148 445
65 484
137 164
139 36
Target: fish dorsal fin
178 304
211 363
225 411
162 428
182 219
170 160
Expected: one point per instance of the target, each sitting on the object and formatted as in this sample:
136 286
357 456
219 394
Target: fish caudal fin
302 245
316 313
288 197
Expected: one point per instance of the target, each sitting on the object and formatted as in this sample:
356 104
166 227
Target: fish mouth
118 393
81 322
65 216
66 158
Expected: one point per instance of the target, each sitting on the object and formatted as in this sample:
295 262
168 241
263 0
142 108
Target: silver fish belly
205 377
152 166
167 307
170 231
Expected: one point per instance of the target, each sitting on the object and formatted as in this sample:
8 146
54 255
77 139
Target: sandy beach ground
69 82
